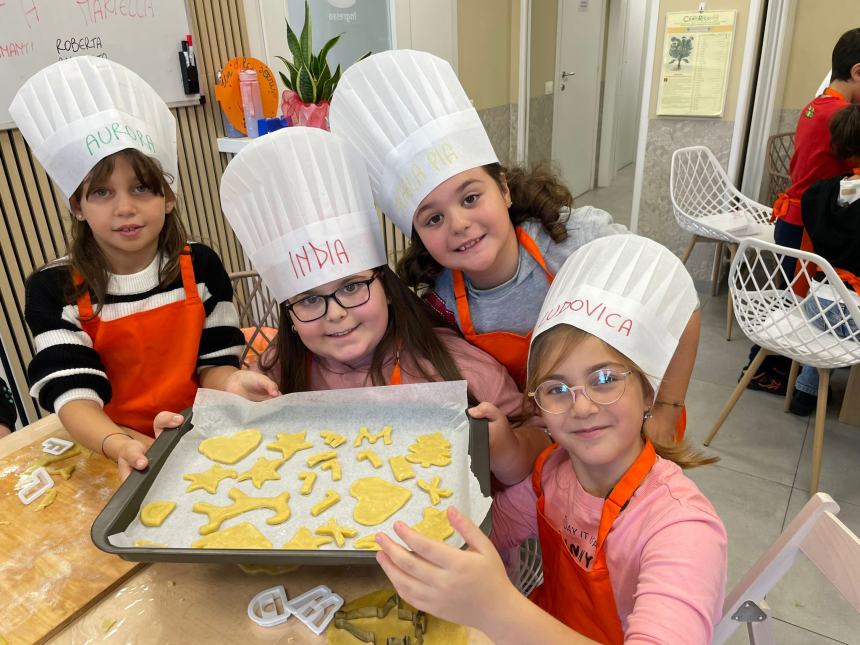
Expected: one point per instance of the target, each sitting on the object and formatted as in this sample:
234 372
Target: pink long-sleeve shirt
666 552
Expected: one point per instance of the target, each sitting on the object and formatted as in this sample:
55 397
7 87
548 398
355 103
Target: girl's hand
500 429
166 421
131 456
251 385
465 587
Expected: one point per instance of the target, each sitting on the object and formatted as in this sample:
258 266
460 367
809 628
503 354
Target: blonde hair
551 347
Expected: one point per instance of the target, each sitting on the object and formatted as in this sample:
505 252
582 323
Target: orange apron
582 598
150 358
510 349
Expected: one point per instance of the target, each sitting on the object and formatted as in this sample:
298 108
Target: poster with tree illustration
694 70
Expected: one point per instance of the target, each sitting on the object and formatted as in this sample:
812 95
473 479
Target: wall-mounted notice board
143 35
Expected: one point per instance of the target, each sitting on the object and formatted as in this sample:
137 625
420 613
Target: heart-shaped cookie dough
377 500
231 448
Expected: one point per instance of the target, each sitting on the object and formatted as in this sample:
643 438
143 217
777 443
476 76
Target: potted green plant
310 82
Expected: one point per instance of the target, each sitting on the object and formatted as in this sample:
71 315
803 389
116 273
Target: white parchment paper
411 410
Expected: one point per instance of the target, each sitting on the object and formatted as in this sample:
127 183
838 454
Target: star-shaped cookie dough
289 444
208 480
262 471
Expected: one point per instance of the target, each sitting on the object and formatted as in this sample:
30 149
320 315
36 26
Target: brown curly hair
537 194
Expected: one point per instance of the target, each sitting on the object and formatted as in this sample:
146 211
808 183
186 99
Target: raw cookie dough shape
334 466
432 488
377 500
430 450
231 448
65 473
305 540
154 513
338 532
371 456
143 542
208 480
289 444
47 499
366 542
400 468
240 536
343 620
331 498
319 457
308 478
364 433
262 471
332 439
435 525
242 503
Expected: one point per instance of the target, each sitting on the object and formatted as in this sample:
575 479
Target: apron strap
186 268
85 304
623 491
829 91
538 468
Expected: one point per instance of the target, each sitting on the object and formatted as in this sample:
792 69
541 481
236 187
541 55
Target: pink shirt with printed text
666 552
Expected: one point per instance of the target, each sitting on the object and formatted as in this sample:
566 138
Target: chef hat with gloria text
408 115
631 292
300 203
78 111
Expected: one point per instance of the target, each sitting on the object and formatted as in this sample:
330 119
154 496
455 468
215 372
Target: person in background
486 241
135 318
814 159
8 413
632 550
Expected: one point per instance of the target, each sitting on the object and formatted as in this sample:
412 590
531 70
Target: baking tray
124 506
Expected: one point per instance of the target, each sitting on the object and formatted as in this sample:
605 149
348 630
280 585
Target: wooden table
160 602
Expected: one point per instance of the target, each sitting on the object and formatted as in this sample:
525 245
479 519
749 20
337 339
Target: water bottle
252 103
229 130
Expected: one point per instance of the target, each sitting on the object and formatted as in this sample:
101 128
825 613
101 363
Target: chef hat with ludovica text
300 203
629 291
408 115
78 111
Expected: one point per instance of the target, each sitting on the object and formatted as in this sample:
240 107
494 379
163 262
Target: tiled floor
616 199
762 481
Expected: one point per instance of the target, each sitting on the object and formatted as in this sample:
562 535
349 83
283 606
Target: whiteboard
143 35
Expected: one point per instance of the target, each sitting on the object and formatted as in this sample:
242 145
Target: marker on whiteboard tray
191 51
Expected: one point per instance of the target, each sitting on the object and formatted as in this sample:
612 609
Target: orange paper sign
228 95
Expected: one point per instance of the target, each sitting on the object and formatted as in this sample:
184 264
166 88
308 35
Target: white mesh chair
530 572
708 206
820 536
258 313
804 328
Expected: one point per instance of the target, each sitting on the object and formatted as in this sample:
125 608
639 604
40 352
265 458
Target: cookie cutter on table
56 445
418 619
34 485
269 607
316 608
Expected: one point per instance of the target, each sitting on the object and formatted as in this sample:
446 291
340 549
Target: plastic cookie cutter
417 618
269 607
56 445
34 485
316 608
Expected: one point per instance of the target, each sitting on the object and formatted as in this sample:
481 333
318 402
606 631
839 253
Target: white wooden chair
770 311
258 313
820 536
708 206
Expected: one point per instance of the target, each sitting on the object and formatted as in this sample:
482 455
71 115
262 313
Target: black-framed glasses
603 387
314 307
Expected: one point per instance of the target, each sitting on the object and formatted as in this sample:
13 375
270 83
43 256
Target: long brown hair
408 326
85 255
551 347
536 194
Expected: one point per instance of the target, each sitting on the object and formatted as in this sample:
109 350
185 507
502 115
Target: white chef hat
78 111
300 203
408 115
629 291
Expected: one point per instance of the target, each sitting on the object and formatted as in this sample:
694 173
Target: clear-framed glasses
603 387
314 307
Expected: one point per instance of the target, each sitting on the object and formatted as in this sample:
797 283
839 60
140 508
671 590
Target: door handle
565 75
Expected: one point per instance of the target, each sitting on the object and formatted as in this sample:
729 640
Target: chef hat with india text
408 115
630 292
300 203
78 111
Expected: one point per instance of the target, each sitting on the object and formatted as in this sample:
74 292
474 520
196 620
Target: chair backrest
815 329
701 191
258 313
817 533
780 148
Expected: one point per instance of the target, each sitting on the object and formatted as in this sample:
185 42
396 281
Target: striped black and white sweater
66 367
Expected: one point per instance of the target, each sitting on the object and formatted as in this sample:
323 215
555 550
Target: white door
629 96
576 104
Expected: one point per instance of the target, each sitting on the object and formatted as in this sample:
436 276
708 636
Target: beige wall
742 7
543 44
817 26
484 41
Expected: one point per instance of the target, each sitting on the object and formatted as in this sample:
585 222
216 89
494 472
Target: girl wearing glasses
632 550
485 241
301 205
